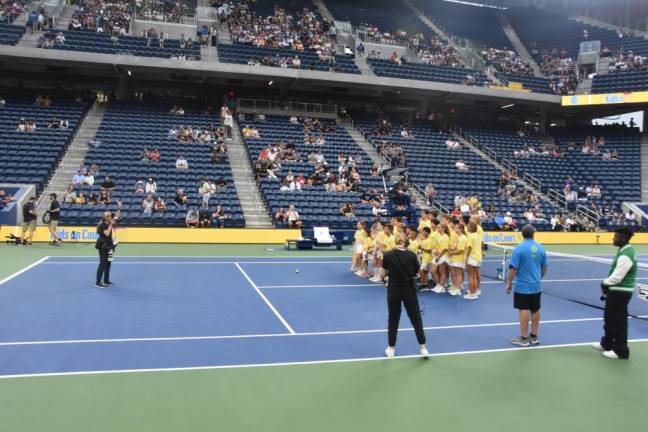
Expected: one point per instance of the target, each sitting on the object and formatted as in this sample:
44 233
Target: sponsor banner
605 99
279 236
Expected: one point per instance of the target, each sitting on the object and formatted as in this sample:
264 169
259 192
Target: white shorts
458 265
473 262
443 260
358 248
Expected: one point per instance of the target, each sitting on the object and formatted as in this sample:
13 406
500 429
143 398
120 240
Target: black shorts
526 301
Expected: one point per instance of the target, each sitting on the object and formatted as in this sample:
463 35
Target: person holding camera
617 292
105 246
402 266
29 221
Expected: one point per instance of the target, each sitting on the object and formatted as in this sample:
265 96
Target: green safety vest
628 283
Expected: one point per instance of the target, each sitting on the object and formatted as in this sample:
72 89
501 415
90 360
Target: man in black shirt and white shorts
402 266
29 221
54 212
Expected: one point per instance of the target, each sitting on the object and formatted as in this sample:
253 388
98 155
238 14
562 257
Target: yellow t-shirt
368 243
480 231
424 223
427 243
388 243
443 242
460 244
359 236
475 243
414 246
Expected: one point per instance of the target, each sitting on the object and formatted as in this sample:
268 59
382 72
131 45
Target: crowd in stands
507 61
558 65
10 9
438 53
160 10
102 17
298 30
626 61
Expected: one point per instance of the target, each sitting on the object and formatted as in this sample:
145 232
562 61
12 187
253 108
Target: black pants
616 323
103 271
407 296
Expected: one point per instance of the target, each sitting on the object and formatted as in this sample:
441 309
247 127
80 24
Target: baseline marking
265 299
303 363
19 272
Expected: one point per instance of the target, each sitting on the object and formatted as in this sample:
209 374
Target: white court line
487 282
19 272
302 363
200 262
265 299
277 335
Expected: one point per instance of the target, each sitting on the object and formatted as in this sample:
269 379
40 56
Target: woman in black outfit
106 247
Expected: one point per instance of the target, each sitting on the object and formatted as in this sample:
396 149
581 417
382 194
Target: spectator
80 199
159 206
461 165
181 163
293 217
150 186
140 186
218 217
78 179
347 210
191 220
154 155
280 218
70 196
107 184
104 197
180 199
147 206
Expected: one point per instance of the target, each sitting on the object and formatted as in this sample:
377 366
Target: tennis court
204 314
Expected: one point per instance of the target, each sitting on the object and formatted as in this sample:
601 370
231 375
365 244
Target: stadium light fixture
129 72
270 83
508 106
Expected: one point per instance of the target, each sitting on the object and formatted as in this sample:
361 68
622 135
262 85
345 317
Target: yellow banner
605 99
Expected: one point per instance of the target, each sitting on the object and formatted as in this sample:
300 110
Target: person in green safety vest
617 293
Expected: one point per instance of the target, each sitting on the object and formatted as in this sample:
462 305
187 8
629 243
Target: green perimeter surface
557 389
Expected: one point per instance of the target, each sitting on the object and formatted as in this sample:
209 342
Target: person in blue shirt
527 268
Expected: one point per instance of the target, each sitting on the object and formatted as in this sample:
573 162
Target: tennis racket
47 217
642 292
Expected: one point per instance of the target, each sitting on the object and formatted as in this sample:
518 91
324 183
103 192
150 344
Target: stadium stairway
323 10
74 156
519 47
255 211
644 167
473 144
470 57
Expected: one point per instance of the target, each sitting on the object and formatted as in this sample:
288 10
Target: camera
12 239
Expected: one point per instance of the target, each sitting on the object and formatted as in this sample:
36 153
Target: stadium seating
388 16
10 34
88 41
125 129
582 169
242 54
31 157
478 24
430 161
620 81
423 72
314 204
535 84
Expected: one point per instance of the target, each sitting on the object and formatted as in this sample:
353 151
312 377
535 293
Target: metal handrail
534 182
509 166
261 105
436 204
589 214
558 197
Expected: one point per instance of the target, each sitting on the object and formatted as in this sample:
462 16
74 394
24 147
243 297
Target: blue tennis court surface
183 312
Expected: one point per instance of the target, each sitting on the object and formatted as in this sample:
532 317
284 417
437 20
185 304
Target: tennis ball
297 271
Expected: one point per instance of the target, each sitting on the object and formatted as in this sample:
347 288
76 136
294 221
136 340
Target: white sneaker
478 293
438 289
390 352
424 352
610 354
597 346
374 279
471 296
352 269
454 292
359 273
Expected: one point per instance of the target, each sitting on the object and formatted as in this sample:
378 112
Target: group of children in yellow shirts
446 249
